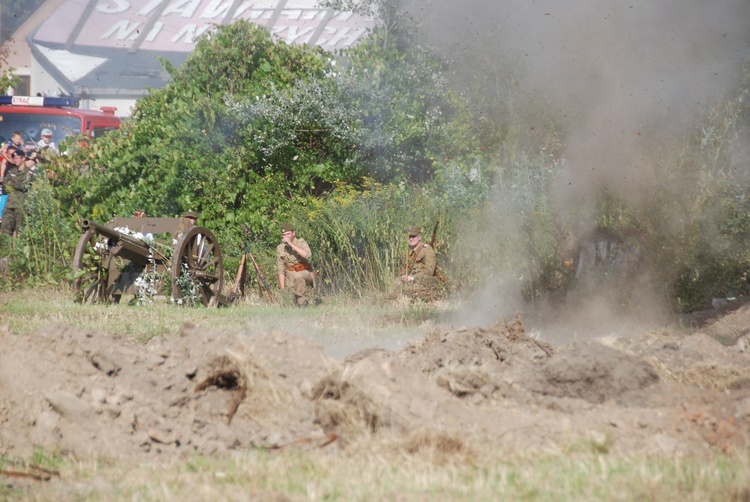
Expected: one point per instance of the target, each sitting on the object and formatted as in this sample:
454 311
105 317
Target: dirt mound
729 328
479 360
88 393
380 394
592 372
504 357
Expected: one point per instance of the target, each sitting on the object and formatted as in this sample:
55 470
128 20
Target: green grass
376 473
339 325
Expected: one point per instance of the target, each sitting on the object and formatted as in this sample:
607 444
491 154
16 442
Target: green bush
42 252
47 237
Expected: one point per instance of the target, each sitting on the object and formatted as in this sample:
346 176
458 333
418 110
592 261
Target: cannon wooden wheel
198 256
90 274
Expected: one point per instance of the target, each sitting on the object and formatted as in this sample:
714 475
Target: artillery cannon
129 253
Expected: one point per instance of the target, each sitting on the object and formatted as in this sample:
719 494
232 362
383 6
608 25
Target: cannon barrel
125 245
111 233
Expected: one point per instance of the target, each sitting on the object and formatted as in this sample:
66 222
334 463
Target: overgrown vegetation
354 147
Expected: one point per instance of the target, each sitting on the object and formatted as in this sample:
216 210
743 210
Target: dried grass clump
260 391
645 340
425 294
439 447
461 381
702 375
341 407
514 330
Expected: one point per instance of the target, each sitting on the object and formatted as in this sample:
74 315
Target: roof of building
110 47
20 53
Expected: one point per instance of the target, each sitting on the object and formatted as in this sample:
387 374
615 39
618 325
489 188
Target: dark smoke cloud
621 76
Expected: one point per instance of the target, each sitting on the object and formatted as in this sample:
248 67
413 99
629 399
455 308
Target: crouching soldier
421 269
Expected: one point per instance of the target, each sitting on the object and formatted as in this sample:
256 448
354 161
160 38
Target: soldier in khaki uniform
189 220
293 266
422 261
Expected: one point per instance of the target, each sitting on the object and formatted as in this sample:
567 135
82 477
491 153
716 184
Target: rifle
239 281
432 245
434 234
262 282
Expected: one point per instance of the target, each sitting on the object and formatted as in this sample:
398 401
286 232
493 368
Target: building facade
106 51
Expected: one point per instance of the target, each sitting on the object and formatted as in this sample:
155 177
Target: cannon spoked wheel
89 274
198 257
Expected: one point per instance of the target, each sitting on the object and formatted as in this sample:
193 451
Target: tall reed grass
359 236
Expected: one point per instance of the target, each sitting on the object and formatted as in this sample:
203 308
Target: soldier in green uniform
422 264
293 266
17 180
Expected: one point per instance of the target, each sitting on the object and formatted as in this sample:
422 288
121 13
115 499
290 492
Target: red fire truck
61 115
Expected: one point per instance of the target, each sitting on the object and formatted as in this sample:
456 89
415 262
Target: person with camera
293 266
17 180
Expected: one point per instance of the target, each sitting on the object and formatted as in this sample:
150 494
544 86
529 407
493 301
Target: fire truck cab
61 115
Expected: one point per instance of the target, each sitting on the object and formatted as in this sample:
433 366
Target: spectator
16 139
6 153
47 142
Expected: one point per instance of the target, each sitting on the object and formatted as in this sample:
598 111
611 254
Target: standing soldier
422 265
17 181
293 266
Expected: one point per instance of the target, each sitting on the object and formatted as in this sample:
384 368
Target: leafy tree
305 135
403 102
189 147
7 76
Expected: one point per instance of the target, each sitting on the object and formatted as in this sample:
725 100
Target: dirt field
81 393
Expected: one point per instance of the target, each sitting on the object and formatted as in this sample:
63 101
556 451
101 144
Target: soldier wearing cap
191 216
189 219
18 177
422 262
293 265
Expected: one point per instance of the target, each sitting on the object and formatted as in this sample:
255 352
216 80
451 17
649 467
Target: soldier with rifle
421 269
